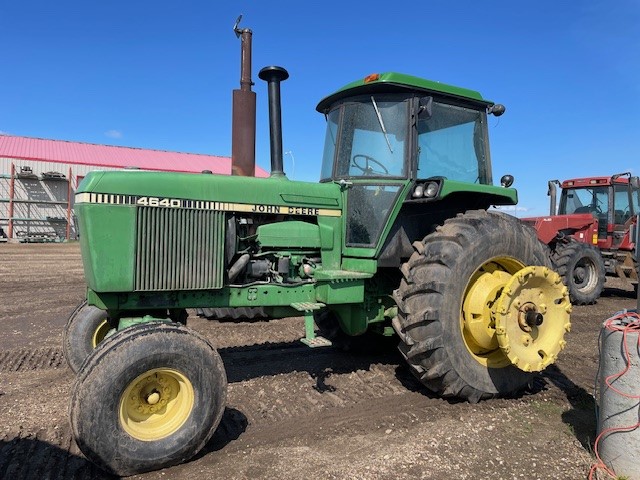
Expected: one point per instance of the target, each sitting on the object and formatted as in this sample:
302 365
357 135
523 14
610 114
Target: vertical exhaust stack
552 192
243 136
274 76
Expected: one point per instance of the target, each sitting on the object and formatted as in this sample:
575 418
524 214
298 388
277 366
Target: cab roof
399 82
593 181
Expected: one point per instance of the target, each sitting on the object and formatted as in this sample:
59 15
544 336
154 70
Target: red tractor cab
592 232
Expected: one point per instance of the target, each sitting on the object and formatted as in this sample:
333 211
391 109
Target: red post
69 192
11 195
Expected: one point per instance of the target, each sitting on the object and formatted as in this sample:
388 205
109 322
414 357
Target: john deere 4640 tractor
395 239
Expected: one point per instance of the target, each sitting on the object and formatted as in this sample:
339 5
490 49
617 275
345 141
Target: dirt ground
295 412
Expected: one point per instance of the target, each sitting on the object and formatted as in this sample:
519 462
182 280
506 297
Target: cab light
372 78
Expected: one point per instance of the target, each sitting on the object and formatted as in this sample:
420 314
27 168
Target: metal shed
38 179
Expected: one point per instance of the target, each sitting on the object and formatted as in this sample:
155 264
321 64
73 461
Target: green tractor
395 240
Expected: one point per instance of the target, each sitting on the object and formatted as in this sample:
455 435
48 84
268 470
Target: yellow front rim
100 333
156 404
476 319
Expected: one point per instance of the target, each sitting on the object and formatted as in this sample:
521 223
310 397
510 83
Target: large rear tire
442 277
86 327
582 270
148 397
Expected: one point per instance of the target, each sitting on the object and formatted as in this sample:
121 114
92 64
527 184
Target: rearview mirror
496 109
507 180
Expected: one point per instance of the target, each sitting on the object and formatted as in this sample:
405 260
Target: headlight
431 190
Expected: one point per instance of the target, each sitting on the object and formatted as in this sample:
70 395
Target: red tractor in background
593 233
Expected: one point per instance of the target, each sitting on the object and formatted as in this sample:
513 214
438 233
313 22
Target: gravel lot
295 412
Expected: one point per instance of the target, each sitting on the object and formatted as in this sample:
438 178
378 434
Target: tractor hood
549 227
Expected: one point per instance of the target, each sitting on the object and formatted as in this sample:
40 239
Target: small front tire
148 397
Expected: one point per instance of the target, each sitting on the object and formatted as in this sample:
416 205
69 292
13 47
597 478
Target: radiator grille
179 249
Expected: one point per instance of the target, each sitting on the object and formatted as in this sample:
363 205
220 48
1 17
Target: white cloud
511 208
113 133
514 210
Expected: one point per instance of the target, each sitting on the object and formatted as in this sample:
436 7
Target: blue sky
160 74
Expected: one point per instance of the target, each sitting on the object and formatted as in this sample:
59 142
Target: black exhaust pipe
273 76
552 192
243 129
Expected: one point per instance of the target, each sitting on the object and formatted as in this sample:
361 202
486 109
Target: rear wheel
148 397
446 319
86 327
582 270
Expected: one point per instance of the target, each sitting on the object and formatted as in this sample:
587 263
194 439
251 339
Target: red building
38 179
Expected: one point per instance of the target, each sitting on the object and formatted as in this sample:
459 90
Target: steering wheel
367 170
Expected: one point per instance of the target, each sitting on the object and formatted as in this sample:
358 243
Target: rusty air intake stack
274 76
243 136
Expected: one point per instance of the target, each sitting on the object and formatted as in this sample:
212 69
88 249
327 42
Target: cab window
372 132
452 144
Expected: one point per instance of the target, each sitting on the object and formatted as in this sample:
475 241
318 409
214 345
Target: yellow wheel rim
531 318
156 404
100 333
476 319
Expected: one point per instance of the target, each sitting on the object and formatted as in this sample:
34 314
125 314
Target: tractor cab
613 201
393 137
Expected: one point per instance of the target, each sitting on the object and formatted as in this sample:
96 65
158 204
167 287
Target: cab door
622 213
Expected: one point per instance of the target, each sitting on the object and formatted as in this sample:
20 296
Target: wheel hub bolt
153 398
530 316
533 318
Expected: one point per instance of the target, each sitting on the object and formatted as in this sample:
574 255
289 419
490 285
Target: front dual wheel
474 318
86 327
148 397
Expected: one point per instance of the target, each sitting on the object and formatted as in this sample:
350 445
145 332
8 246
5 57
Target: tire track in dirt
270 400
20 360
270 384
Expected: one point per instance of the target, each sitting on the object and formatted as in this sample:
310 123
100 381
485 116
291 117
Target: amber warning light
372 78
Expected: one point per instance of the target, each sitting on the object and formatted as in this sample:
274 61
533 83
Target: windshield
594 200
373 138
452 144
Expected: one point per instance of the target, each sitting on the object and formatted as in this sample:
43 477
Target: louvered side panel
179 249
